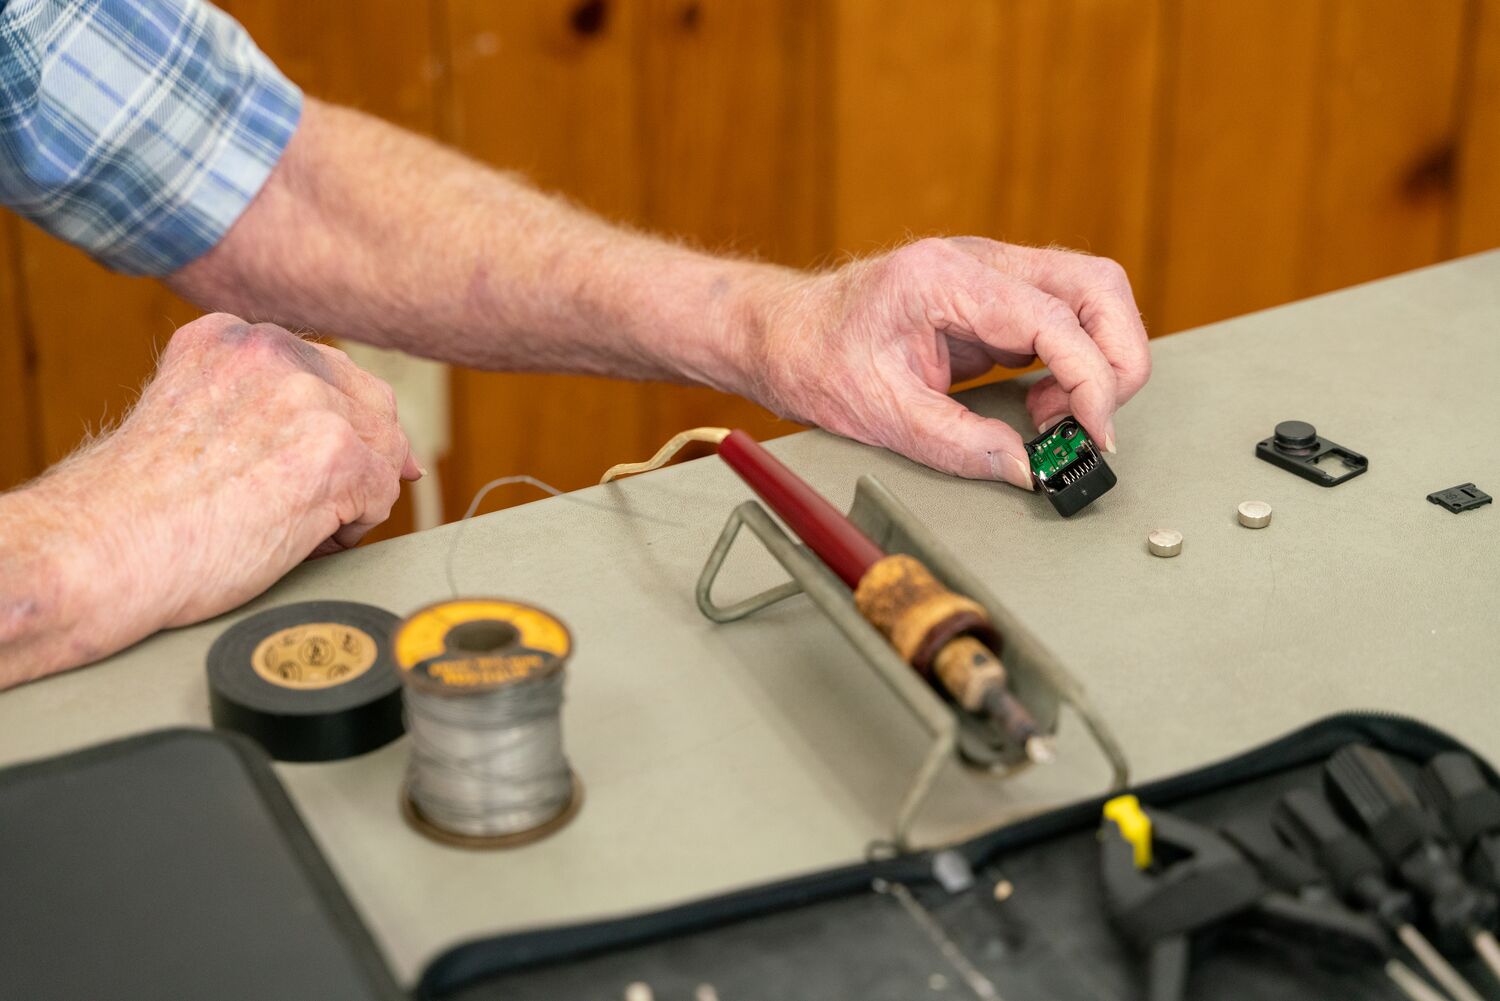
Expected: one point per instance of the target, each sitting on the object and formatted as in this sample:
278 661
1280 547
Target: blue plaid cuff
138 130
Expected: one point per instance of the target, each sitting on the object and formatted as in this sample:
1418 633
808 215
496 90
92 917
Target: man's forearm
65 593
373 233
376 234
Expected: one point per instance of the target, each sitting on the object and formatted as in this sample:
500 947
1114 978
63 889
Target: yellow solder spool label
479 643
314 655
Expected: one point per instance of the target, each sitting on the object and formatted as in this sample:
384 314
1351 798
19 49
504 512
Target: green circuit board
1058 450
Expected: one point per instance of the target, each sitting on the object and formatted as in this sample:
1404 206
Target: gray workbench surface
717 756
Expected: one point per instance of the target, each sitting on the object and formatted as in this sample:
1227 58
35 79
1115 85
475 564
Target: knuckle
1110 279
266 335
262 344
926 253
328 436
1110 272
304 391
1053 313
388 494
335 354
385 394
206 330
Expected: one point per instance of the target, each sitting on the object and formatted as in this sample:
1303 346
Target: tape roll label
314 655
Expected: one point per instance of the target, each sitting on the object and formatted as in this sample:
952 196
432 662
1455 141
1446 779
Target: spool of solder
483 685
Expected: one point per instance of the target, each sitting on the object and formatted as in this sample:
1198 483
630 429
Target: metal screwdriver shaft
1308 822
1436 964
1368 785
1412 985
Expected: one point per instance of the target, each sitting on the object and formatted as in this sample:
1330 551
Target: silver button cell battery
1255 514
1164 542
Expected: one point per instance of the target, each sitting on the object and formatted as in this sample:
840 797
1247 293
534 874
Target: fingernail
1109 438
1022 473
1043 425
422 471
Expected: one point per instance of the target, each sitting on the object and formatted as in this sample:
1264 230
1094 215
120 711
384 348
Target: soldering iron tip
1039 749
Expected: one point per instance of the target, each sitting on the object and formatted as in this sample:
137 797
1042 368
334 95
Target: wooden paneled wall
1233 154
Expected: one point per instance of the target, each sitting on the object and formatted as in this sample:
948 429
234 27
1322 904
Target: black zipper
1394 732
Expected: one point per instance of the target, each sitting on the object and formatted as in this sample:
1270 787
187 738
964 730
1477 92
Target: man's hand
250 450
870 350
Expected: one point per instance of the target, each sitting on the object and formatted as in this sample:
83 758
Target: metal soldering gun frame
1036 676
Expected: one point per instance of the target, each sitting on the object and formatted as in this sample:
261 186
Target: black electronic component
1068 467
1464 497
1296 447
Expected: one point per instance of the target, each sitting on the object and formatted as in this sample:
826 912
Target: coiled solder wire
489 763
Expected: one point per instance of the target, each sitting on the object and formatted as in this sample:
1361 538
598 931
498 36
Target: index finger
1099 293
1014 315
373 393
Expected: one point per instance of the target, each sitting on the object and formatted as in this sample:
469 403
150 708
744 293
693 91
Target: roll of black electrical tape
314 681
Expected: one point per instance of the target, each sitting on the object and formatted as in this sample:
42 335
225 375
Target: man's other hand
250 450
257 449
870 350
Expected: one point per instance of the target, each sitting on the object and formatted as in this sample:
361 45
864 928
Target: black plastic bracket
1297 448
1464 497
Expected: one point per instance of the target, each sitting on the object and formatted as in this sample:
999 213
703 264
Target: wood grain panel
19 459
1079 96
1238 148
548 88
1386 140
375 55
1478 213
916 102
97 335
731 95
730 101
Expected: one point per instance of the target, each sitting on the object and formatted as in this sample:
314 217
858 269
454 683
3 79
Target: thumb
940 432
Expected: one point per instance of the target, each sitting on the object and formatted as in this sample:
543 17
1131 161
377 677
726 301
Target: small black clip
1464 497
1297 448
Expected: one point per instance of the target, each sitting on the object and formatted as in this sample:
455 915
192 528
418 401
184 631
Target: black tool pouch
895 931
171 866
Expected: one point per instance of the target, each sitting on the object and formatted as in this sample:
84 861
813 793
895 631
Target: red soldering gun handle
826 531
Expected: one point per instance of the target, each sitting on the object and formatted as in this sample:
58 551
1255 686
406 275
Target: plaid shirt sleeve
138 130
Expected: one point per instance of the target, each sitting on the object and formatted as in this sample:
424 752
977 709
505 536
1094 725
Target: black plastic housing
1079 484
